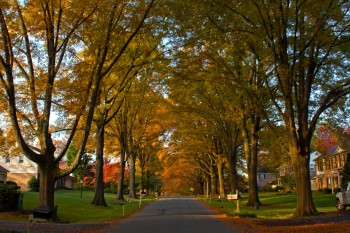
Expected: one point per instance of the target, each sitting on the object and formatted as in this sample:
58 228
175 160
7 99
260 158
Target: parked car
343 197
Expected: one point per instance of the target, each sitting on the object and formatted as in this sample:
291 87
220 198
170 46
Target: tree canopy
186 95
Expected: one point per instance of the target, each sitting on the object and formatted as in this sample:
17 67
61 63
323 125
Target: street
173 215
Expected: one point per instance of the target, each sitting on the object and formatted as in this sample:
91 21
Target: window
7 160
342 160
262 176
328 164
320 165
334 162
20 159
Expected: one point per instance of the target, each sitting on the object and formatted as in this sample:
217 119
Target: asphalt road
174 215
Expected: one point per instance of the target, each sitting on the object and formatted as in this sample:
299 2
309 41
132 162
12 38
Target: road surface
173 215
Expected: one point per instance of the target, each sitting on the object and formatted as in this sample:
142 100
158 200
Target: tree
299 55
304 45
323 140
38 46
106 49
346 172
84 171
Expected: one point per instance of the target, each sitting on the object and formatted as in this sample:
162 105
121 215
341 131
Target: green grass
73 209
274 205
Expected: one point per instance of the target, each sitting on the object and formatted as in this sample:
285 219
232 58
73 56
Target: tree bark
132 170
305 205
213 183
251 154
120 194
221 179
232 165
99 198
47 186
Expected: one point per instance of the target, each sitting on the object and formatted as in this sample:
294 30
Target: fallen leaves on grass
323 224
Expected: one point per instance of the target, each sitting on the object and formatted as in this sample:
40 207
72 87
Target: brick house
330 166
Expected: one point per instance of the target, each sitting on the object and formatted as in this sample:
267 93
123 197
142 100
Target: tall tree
107 49
38 47
305 44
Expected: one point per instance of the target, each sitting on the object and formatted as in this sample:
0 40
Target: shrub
327 190
111 187
267 188
337 189
9 196
11 182
34 184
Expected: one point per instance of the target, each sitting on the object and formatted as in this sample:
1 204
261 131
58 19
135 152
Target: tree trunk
305 205
47 187
231 154
99 198
253 173
233 172
201 186
221 179
147 183
120 195
132 170
250 152
213 185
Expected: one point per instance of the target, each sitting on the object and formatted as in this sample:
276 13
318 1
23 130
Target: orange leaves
111 173
325 139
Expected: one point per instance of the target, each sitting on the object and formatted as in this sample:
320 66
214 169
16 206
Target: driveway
173 215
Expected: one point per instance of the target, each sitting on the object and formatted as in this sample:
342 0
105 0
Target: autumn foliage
324 139
111 173
327 137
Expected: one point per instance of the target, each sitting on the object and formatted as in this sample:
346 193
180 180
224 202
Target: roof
2 169
335 150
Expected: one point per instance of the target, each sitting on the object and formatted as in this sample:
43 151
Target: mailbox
233 197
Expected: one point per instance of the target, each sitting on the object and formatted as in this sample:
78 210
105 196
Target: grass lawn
73 209
274 205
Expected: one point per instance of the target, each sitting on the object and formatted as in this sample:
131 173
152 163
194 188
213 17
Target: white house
20 170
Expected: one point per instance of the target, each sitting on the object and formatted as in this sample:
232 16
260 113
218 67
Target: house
288 169
3 174
330 166
20 169
265 177
66 182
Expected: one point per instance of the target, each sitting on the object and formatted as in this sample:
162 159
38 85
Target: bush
86 187
327 190
337 189
267 188
9 196
111 187
33 184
